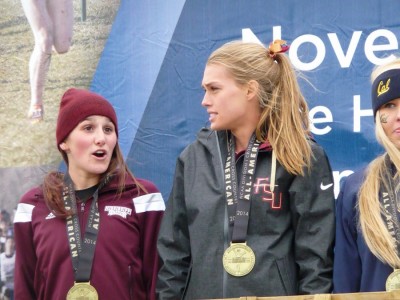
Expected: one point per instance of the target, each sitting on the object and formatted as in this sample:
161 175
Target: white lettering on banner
370 48
295 45
314 119
358 113
344 58
327 117
337 177
249 36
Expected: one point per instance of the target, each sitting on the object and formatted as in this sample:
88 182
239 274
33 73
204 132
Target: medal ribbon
82 252
389 201
239 204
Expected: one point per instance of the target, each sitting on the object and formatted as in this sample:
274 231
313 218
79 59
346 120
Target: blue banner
153 62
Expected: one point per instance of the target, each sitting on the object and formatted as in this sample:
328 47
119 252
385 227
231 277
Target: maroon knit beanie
75 106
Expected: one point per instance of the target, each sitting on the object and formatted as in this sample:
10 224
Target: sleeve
150 209
25 260
313 212
347 265
174 243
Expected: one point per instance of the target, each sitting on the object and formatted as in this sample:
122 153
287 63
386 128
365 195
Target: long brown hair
54 181
284 121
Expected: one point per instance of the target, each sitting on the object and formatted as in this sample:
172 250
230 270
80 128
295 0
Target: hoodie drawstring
273 172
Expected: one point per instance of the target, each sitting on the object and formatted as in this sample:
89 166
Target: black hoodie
291 230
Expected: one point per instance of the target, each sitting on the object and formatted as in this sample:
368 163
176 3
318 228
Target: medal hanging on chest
393 281
82 252
239 259
389 200
82 290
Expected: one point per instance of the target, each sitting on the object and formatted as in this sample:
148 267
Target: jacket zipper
81 219
226 221
130 282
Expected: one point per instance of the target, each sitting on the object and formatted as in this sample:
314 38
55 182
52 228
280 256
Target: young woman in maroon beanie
89 233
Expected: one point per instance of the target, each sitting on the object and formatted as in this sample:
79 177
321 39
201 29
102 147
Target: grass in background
21 143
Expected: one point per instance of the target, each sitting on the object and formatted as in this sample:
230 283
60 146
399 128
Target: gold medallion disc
82 290
238 260
393 281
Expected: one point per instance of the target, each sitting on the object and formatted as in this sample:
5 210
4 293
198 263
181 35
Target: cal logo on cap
383 88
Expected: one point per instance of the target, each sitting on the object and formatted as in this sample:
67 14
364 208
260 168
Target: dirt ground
24 145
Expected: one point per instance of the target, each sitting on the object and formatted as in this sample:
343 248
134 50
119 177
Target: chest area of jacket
208 187
117 222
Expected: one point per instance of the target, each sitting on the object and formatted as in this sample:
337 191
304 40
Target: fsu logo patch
262 186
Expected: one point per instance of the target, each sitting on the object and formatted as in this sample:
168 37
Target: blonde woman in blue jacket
367 226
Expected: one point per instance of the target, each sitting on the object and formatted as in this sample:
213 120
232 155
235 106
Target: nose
205 102
100 137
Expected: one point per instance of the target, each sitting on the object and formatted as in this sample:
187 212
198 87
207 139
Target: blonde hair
373 227
284 120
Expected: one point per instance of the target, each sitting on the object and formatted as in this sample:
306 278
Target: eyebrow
208 83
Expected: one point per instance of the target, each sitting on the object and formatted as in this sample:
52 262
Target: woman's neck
247 127
82 182
242 140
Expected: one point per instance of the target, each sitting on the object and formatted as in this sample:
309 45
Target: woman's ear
252 90
63 146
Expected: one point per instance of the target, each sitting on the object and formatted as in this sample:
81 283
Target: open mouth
100 153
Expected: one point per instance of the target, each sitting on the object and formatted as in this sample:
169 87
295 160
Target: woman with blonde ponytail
251 210
368 207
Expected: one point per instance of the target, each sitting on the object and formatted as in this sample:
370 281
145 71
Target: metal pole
83 4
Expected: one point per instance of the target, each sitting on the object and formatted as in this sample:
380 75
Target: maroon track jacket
125 262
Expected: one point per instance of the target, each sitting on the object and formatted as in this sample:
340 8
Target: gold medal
82 290
238 259
393 281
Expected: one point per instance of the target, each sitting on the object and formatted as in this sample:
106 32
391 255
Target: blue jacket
356 269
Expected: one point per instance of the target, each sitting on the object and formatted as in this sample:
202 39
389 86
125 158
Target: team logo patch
118 210
262 186
383 87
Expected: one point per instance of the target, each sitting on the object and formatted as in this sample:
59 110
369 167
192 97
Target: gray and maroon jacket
125 262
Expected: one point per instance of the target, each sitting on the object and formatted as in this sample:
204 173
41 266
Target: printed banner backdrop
153 63
148 57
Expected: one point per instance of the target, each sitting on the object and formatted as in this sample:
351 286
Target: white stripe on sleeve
23 213
149 202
